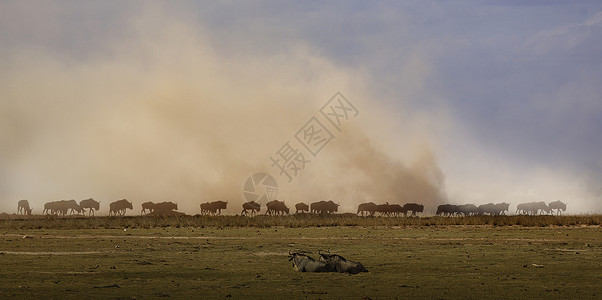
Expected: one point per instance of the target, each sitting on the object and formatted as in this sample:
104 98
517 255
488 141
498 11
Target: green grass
292 221
439 261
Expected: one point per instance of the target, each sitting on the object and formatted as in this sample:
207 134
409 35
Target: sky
456 101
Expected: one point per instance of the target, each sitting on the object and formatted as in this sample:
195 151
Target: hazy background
460 102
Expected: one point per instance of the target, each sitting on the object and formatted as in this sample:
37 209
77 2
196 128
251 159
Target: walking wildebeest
368 207
341 264
214 208
384 209
276 207
558 206
90 204
390 209
74 207
501 208
23 207
447 210
304 263
252 206
301 207
165 207
488 208
324 207
147 205
468 209
119 207
397 209
532 208
523 208
49 207
61 207
414 208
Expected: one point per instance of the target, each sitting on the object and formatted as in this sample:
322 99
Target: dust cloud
163 115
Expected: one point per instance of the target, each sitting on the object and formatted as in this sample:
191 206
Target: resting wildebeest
90 204
304 263
558 206
301 207
23 207
342 265
119 207
324 207
369 207
214 208
414 208
276 207
252 206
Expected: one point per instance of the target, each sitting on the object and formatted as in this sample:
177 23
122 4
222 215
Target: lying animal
327 263
341 264
304 263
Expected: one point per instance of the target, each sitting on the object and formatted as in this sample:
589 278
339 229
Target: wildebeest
165 206
488 208
368 207
301 207
384 209
396 210
414 208
214 208
75 207
558 206
276 207
49 207
468 209
252 206
447 210
523 208
61 207
493 209
150 206
501 208
90 204
119 207
23 207
324 207
532 208
303 263
341 264
390 209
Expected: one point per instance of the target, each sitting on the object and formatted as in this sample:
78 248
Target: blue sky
507 93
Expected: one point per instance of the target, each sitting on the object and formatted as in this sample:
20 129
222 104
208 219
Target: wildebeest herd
530 208
277 207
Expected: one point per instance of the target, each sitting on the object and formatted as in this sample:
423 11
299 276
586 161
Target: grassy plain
150 258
